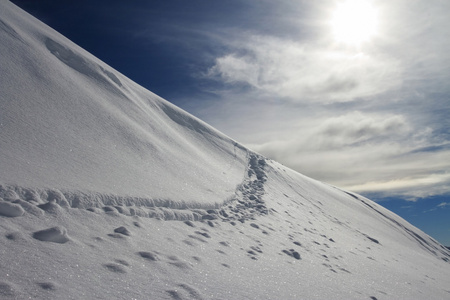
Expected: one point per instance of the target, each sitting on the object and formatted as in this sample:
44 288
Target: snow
8 209
76 124
110 192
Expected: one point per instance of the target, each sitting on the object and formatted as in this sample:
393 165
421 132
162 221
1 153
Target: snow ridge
435 248
246 203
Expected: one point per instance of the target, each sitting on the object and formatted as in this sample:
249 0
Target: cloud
356 127
301 62
439 206
410 188
300 72
341 133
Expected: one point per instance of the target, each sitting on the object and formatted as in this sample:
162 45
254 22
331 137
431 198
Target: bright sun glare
354 22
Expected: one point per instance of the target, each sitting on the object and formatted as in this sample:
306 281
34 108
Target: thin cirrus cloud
300 72
443 204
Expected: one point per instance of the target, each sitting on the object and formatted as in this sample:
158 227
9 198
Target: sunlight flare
354 22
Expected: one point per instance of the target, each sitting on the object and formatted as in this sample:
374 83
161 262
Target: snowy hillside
72 122
108 191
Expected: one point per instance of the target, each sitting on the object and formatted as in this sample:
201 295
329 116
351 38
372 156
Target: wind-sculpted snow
8 29
82 65
110 192
72 123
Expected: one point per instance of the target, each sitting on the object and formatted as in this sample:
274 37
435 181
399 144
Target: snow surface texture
110 192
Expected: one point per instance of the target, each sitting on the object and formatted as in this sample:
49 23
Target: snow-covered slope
70 121
110 192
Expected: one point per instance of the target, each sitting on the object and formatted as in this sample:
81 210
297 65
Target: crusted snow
110 192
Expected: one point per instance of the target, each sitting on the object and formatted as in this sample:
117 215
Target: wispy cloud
298 71
444 204
409 188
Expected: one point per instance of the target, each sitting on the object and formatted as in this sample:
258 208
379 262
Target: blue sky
368 114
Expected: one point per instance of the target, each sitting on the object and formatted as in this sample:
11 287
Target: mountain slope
110 192
70 121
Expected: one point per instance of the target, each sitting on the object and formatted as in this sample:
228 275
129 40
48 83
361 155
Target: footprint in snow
15 236
252 254
110 210
57 234
254 225
193 293
48 286
174 294
123 210
12 210
51 207
148 255
29 208
226 244
329 267
197 259
209 217
122 262
122 230
189 223
7 289
137 224
184 291
10 195
187 242
206 235
197 238
292 253
174 261
115 268
117 235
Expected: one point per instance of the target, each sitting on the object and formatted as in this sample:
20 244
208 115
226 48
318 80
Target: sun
354 22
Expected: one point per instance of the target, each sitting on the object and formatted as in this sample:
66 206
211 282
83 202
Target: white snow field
110 192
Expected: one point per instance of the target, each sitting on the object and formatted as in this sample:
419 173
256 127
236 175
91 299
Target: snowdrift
110 192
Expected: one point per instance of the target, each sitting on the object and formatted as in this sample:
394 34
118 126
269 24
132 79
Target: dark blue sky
136 40
371 117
